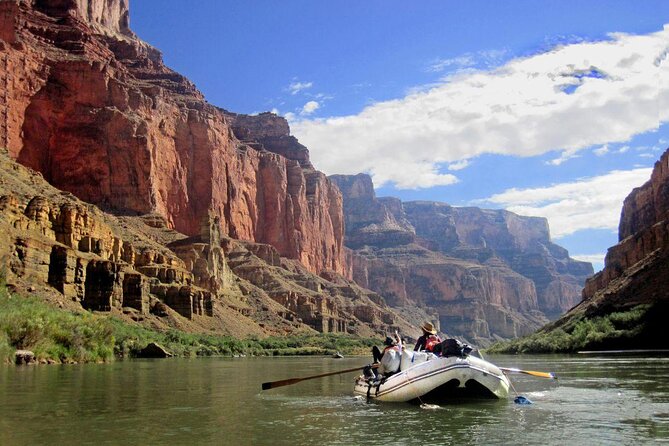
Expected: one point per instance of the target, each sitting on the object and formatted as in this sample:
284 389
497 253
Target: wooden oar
288 382
529 372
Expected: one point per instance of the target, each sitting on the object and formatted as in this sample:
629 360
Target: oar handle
290 381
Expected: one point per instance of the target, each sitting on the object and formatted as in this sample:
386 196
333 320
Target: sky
554 108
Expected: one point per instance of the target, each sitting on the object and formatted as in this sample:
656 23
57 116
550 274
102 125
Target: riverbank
636 328
61 336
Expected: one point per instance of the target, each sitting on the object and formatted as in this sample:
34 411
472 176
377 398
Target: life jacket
431 342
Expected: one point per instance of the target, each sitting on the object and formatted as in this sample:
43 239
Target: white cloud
590 203
486 58
603 150
459 165
296 87
439 65
309 108
568 99
597 260
623 149
566 155
592 258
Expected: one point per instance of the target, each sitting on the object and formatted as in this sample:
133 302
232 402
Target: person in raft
389 344
429 339
387 362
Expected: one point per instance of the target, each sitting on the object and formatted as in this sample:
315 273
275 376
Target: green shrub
581 333
64 336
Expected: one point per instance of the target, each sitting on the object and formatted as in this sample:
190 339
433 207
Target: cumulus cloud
568 99
590 203
296 87
309 108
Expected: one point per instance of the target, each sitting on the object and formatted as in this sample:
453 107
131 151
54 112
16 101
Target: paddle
288 382
529 372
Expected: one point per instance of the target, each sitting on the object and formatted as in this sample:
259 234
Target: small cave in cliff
58 268
99 286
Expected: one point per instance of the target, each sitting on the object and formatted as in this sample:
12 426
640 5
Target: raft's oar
530 372
288 382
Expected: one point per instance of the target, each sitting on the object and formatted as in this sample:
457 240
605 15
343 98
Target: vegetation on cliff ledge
634 328
56 335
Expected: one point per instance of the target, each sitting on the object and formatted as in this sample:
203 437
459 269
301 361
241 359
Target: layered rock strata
488 274
58 247
56 240
96 111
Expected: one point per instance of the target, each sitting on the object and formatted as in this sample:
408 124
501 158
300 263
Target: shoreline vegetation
632 329
61 336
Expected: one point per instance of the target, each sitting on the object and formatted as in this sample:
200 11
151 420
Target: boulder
26 357
154 350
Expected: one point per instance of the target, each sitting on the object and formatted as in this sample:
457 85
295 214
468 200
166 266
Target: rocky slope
210 221
488 274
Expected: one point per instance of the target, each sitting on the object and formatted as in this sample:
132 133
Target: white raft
428 378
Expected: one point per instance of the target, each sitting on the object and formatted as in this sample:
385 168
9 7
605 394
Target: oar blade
284 382
548 375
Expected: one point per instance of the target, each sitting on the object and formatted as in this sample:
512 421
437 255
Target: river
597 400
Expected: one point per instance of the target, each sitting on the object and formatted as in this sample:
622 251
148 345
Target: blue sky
552 108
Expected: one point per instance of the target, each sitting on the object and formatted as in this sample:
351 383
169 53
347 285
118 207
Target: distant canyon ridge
123 191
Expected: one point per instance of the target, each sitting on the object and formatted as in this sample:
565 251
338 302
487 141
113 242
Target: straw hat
428 328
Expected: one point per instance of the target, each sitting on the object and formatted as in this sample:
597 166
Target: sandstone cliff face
97 112
635 268
488 274
58 247
212 221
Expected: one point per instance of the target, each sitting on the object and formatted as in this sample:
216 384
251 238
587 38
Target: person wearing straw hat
429 339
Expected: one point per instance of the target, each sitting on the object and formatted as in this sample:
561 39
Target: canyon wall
488 274
71 253
629 295
95 110
136 197
635 268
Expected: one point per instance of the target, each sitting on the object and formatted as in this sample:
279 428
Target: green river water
597 400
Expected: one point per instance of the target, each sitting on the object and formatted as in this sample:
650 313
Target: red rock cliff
96 111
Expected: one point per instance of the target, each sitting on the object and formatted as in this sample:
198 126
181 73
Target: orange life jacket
431 342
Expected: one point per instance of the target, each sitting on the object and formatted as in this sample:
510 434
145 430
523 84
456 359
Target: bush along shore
60 336
636 328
